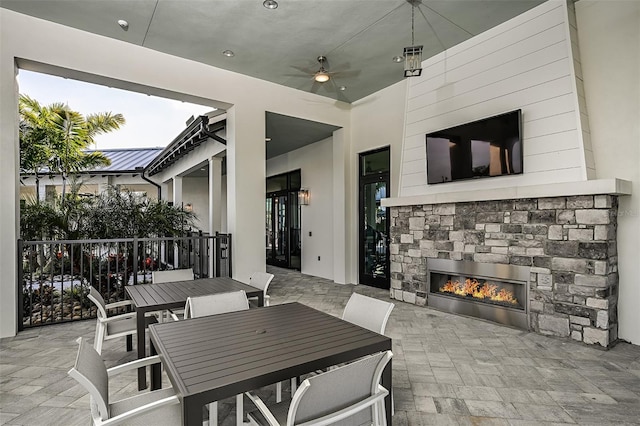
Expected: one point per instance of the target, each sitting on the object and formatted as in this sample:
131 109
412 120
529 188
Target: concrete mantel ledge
565 189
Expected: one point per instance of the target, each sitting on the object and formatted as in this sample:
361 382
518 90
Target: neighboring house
124 172
579 235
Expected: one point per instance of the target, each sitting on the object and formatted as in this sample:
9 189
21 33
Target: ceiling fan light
321 77
270 4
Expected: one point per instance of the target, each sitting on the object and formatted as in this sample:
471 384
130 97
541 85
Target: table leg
261 299
387 384
140 331
191 412
156 370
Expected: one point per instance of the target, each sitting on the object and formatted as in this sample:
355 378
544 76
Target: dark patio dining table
216 357
173 295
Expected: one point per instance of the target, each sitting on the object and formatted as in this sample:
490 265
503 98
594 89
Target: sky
151 121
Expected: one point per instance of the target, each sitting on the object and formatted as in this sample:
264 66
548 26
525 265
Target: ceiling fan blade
315 87
298 76
310 71
331 86
346 74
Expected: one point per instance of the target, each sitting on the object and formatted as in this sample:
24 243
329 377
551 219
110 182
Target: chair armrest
119 304
263 409
152 406
118 317
143 362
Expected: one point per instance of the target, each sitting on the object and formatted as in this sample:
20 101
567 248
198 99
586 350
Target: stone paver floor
447 369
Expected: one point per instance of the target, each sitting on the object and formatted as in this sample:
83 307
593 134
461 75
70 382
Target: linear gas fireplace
496 292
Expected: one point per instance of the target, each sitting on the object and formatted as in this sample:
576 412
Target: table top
219 356
148 297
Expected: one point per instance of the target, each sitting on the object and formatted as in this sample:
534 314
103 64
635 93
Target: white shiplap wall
525 63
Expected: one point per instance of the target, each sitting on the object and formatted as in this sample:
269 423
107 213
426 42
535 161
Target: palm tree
56 138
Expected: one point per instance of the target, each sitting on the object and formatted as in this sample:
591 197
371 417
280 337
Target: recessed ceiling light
342 88
398 59
228 53
123 24
270 4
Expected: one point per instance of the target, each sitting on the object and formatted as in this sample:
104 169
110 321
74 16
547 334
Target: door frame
363 180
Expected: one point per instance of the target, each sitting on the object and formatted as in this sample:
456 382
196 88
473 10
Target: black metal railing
54 276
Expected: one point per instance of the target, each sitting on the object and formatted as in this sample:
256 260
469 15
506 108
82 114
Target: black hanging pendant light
413 53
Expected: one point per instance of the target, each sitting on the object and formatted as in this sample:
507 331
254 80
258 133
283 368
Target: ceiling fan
322 75
324 78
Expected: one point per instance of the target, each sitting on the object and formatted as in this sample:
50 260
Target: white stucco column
177 191
246 173
215 195
104 183
9 191
41 189
342 259
177 202
165 189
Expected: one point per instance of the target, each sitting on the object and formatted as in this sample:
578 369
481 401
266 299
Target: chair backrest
339 389
95 296
90 371
218 303
260 280
367 312
172 275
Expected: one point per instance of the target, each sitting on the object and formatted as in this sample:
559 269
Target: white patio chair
167 277
172 275
367 312
213 304
111 327
347 395
260 280
160 407
371 314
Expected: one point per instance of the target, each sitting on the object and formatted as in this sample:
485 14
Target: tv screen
484 148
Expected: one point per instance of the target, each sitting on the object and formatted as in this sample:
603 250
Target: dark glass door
374 223
283 245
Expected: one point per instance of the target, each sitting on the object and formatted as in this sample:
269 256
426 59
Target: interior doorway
283 221
373 222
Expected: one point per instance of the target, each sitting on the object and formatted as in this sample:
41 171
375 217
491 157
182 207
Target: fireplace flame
472 287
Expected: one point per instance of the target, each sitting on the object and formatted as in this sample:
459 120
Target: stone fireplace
567 244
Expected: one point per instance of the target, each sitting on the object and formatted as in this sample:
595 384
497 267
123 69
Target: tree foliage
54 138
111 214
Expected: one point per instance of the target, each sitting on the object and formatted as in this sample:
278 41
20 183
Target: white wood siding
526 63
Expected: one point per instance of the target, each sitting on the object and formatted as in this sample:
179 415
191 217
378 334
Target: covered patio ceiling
358 37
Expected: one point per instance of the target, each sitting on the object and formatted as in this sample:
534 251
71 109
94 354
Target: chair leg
129 342
279 392
97 344
213 414
294 385
239 409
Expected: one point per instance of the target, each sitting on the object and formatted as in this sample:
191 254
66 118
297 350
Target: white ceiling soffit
359 37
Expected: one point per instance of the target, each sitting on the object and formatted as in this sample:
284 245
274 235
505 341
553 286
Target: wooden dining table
173 295
219 356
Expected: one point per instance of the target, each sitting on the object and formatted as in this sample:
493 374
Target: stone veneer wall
569 243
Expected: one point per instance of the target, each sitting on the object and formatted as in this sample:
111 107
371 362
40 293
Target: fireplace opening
491 291
485 290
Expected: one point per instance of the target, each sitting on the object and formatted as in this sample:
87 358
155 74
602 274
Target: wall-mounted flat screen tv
485 148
